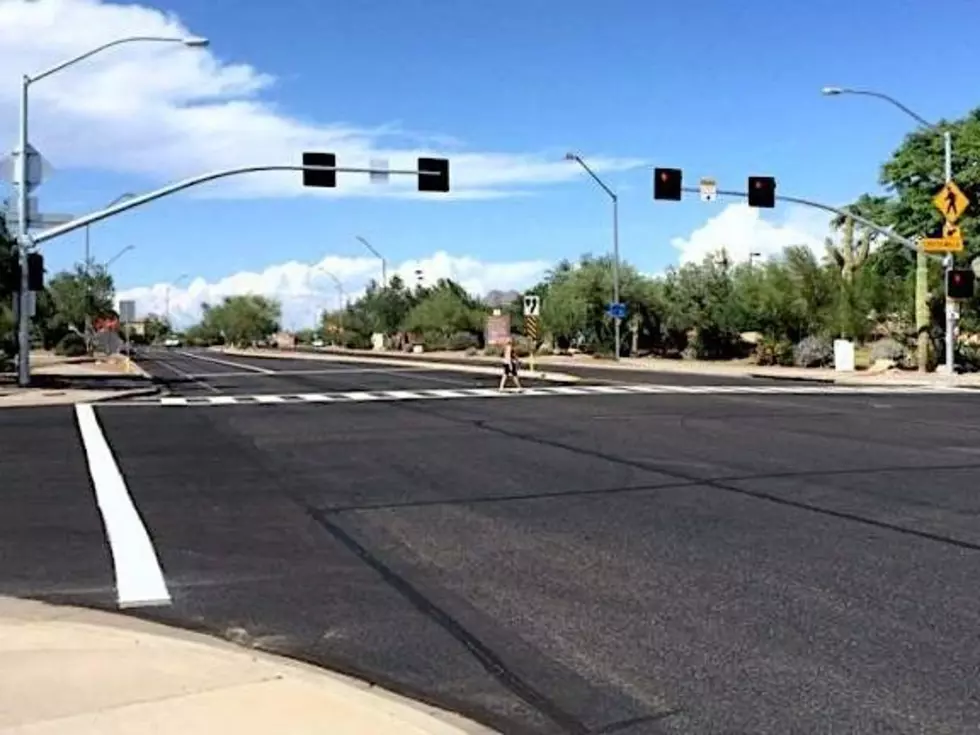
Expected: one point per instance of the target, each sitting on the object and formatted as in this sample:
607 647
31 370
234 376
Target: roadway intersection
714 557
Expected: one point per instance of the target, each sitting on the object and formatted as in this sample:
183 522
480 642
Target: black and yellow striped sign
531 327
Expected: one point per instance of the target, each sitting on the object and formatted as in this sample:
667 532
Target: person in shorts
510 366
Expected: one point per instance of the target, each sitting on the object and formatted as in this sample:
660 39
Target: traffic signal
762 191
428 182
321 179
35 272
667 184
960 283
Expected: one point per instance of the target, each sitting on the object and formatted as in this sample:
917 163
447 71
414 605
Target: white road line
287 373
186 376
228 363
444 393
317 397
139 578
269 399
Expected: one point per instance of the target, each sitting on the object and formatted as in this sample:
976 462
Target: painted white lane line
228 363
139 578
186 376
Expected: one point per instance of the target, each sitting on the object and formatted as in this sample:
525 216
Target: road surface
704 559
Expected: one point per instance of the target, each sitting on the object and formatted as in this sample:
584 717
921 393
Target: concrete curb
128 393
402 713
487 368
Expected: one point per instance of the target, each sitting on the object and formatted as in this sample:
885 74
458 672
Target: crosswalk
419 394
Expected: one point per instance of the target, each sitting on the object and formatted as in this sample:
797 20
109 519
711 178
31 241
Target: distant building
284 340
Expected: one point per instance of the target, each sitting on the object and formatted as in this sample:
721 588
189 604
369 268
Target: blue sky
719 88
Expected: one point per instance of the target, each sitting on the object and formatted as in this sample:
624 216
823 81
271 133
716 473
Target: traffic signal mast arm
53 232
910 244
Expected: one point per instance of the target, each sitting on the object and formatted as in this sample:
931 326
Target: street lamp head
831 91
571 157
195 42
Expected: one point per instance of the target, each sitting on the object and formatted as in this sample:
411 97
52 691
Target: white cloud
305 289
741 230
168 112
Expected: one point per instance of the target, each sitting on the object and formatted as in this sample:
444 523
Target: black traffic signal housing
320 179
762 191
667 184
428 182
35 272
10 276
960 283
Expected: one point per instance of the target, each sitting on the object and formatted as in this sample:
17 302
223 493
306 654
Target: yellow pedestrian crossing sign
950 242
951 202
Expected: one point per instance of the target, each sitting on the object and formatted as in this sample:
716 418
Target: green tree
444 310
238 320
72 296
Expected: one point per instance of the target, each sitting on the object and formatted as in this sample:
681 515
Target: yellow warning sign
950 242
951 202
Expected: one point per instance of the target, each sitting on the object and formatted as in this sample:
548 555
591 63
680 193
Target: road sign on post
37 168
616 311
532 305
951 202
127 315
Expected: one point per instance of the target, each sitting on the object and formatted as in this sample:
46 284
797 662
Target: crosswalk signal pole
948 264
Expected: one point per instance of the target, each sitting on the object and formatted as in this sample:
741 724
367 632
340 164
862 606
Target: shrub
71 345
463 341
471 351
771 351
355 341
545 350
493 351
889 349
813 351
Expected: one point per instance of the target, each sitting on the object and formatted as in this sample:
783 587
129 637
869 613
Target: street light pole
23 240
88 260
615 207
922 316
166 302
379 256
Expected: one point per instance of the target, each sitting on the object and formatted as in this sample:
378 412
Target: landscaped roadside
882 375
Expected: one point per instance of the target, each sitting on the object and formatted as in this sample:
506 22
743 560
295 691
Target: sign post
532 312
951 203
127 315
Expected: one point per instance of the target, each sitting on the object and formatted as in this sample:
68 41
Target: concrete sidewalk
76 380
79 672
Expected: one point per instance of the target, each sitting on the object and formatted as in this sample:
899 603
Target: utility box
843 356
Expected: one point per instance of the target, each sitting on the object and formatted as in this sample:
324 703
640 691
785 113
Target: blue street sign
616 311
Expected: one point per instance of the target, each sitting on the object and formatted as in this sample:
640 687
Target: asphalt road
670 563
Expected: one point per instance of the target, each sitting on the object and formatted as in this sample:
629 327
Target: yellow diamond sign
951 202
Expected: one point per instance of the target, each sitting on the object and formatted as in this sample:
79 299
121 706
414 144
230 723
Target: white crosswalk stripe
564 390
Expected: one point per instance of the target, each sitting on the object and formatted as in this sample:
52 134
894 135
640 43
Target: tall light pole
117 256
922 316
340 294
615 202
166 302
23 239
379 256
88 260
